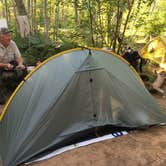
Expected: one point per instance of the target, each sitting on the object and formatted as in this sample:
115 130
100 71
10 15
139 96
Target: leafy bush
36 48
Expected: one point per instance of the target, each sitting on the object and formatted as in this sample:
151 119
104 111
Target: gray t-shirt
10 53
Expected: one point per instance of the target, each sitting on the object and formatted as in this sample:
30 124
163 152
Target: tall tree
20 7
29 8
46 19
130 5
6 10
56 23
100 23
91 21
76 11
118 21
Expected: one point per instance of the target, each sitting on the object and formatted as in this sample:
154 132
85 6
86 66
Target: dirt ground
138 148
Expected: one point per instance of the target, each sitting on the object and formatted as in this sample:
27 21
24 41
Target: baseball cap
4 30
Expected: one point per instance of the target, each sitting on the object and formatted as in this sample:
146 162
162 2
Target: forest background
58 25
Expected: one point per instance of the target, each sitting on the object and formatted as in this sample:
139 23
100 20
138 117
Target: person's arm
18 56
20 63
6 66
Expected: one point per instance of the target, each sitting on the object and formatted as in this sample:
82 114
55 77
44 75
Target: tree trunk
20 7
6 11
118 20
34 16
28 8
76 11
101 28
91 22
14 7
125 26
46 19
15 13
108 27
56 25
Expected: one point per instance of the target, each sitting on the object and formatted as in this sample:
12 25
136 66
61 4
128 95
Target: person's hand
21 66
9 66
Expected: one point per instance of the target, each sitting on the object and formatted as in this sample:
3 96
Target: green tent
70 96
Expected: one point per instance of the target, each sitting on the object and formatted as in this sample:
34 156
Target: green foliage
35 48
150 19
60 30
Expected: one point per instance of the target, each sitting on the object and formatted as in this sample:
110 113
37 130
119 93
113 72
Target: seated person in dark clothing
10 59
134 60
132 57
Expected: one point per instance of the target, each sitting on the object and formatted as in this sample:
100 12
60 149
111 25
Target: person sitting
10 61
129 55
133 57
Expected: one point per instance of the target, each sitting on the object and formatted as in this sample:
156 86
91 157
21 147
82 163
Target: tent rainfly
68 97
155 50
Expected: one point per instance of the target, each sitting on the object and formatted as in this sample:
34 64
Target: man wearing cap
9 52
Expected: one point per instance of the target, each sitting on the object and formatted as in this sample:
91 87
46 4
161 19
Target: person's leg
7 86
8 83
3 91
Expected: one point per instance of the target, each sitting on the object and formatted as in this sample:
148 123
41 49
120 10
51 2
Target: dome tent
155 50
69 95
